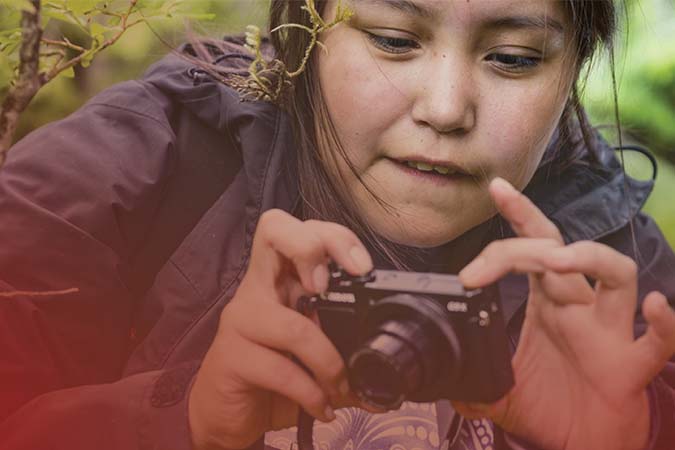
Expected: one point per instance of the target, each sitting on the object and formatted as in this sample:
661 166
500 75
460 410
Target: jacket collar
587 201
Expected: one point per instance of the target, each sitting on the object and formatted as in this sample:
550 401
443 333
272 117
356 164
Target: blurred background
645 75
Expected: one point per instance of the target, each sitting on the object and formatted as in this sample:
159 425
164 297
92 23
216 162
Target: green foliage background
645 75
645 70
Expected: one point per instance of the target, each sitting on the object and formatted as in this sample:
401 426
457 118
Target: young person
406 143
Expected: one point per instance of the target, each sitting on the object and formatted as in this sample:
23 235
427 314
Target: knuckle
495 250
494 247
271 218
314 396
299 329
586 244
308 247
340 230
284 373
334 368
230 322
228 316
333 230
551 230
314 223
630 267
266 218
552 242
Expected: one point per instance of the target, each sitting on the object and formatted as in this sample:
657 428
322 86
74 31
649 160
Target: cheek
521 124
361 102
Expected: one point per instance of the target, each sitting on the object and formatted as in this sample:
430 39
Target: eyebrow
516 22
410 7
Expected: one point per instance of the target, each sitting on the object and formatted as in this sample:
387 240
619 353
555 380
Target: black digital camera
415 336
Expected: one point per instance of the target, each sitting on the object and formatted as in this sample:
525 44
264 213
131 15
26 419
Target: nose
446 95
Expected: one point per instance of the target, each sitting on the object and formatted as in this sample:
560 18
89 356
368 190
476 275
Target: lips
432 166
431 173
425 167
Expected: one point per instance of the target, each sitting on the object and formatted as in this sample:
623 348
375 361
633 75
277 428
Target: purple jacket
108 367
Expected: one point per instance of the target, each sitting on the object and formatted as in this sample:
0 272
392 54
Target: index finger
308 246
525 218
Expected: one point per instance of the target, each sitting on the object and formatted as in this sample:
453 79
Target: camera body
415 336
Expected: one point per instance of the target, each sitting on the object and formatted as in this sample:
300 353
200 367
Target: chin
413 236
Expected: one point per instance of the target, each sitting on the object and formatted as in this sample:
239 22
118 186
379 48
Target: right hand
247 383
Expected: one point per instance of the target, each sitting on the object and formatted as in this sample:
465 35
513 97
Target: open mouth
431 172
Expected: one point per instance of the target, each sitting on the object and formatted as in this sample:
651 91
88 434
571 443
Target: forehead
524 12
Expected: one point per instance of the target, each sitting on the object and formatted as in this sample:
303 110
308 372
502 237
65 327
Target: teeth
421 166
424 167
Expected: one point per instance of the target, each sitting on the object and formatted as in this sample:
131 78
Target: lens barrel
397 360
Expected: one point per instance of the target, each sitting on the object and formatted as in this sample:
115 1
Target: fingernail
361 258
473 269
663 303
329 413
320 278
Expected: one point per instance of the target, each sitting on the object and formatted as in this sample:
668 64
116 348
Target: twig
258 84
38 293
124 26
76 60
64 43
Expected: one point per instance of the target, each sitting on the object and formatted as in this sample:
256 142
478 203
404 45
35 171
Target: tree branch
29 80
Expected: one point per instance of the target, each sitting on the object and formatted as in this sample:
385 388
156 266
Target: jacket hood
260 130
586 200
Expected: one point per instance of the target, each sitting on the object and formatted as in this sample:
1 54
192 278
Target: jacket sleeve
77 198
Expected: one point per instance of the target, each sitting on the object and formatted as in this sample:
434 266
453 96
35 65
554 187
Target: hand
247 383
580 374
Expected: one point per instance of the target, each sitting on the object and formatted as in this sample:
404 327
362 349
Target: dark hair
594 27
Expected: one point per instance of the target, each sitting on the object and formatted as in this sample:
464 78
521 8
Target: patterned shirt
412 427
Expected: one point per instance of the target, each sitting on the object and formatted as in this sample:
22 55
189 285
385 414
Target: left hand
580 374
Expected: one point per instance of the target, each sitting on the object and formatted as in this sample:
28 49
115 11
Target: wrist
636 434
194 423
199 419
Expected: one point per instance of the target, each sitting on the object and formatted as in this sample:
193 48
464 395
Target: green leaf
79 7
97 29
10 41
199 16
17 5
87 59
68 73
6 70
59 15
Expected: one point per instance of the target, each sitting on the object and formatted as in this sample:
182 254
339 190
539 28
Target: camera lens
383 370
394 362
409 351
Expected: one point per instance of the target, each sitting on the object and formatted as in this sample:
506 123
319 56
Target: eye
513 62
392 44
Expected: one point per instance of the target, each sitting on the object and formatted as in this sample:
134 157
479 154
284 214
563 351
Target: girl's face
463 90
